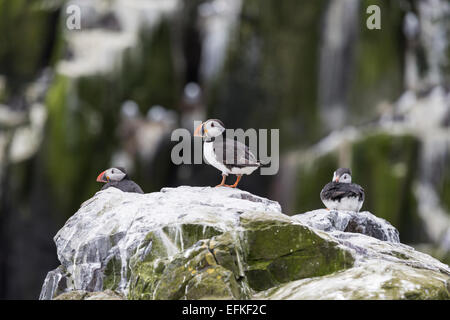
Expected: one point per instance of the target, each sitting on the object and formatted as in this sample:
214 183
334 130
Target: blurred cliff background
75 102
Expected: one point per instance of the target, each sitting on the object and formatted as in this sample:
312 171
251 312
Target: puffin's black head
115 174
342 175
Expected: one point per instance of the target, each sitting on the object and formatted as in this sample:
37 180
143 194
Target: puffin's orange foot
236 183
231 186
222 184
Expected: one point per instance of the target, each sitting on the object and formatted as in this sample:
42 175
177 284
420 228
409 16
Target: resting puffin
341 194
241 160
117 177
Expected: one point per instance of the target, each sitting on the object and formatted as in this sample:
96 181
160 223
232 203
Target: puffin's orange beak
197 132
101 177
337 179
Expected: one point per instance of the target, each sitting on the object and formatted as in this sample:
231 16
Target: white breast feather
345 204
208 152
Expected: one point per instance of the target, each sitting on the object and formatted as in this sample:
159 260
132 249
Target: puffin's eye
212 124
112 171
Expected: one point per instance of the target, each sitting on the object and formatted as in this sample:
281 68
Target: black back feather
335 191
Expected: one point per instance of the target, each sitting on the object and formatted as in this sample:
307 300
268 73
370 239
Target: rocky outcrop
221 243
356 222
186 243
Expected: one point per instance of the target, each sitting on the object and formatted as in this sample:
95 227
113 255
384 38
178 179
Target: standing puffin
341 193
216 148
117 177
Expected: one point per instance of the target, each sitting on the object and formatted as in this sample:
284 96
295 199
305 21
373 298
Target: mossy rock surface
193 274
215 282
279 251
265 252
85 295
112 274
382 281
223 243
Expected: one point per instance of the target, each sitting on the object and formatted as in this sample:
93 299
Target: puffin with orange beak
341 194
117 177
228 156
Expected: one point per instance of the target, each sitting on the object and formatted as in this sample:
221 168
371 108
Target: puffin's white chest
345 204
208 153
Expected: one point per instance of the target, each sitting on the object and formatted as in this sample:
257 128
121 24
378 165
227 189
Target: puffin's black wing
336 191
124 185
358 190
130 186
137 188
240 155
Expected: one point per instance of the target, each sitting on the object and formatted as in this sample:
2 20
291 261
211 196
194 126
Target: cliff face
202 242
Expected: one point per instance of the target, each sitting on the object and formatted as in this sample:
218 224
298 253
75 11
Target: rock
279 250
55 283
222 243
382 270
84 295
383 280
186 242
357 222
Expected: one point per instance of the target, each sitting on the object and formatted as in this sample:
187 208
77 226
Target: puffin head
342 175
209 129
115 174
